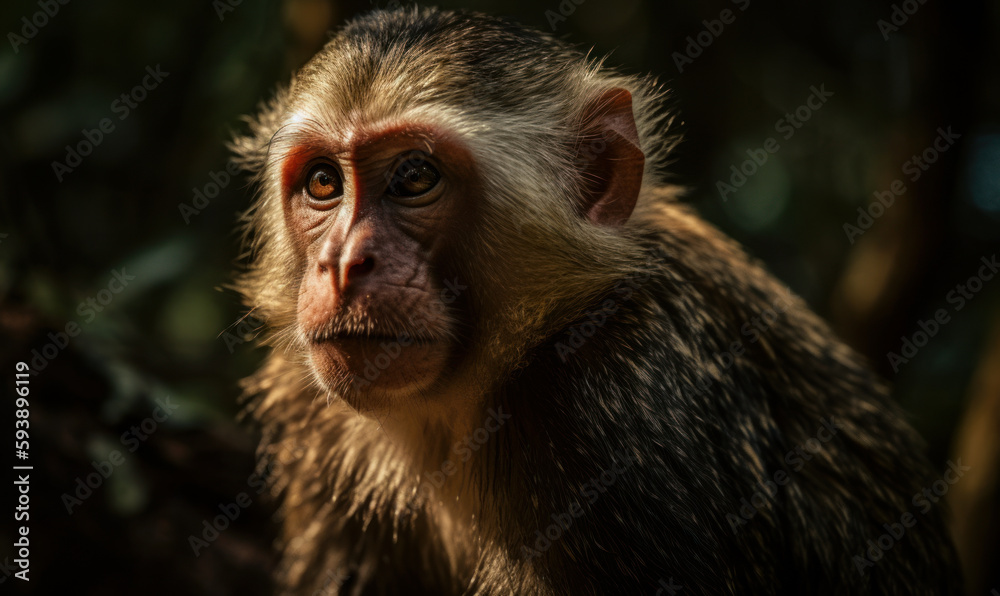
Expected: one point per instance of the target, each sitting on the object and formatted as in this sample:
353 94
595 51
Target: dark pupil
323 178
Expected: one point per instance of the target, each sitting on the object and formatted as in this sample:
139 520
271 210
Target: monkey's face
429 229
372 212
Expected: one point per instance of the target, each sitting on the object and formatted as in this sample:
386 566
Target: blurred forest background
172 334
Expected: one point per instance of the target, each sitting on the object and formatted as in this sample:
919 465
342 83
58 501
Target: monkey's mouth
388 363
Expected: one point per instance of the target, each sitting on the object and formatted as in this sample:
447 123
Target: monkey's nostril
361 269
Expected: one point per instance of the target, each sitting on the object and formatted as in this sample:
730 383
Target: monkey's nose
357 270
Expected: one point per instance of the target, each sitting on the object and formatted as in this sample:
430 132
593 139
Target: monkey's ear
610 159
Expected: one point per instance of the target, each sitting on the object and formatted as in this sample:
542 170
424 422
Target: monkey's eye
413 178
324 183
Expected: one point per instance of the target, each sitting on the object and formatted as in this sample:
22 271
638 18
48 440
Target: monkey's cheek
380 367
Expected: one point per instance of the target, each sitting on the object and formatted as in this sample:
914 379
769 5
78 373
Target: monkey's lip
389 362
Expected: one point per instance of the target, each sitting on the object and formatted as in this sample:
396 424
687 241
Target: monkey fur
643 409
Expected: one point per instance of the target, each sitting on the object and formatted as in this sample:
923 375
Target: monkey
505 358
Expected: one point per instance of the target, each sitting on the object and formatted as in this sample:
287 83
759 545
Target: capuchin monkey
505 360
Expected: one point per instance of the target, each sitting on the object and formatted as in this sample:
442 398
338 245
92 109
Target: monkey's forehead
391 60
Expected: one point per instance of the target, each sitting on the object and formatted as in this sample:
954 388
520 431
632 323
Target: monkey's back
767 457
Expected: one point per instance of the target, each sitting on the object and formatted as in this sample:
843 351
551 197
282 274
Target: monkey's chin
369 371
